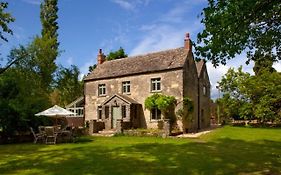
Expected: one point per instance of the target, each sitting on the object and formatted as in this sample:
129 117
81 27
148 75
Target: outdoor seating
41 130
37 136
51 135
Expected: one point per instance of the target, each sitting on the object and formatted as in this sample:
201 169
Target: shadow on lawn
225 156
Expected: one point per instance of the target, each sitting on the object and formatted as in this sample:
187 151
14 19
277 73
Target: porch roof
123 97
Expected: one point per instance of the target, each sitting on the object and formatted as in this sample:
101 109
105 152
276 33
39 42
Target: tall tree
48 17
235 26
48 42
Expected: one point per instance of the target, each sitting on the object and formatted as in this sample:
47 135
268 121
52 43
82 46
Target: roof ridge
145 54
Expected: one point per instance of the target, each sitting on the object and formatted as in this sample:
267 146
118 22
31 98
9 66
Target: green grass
228 150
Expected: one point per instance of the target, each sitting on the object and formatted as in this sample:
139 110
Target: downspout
198 101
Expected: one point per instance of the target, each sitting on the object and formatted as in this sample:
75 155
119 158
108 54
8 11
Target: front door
116 114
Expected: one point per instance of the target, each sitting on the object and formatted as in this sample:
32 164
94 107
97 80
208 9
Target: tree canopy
251 97
118 54
232 27
5 19
113 55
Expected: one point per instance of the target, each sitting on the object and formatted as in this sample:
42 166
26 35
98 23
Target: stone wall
171 84
204 99
191 91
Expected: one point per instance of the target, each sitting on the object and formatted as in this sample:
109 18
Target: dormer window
155 84
102 90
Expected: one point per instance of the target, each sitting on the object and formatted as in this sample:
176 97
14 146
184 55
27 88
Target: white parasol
55 112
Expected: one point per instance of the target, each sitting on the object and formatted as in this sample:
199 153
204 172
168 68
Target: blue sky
139 26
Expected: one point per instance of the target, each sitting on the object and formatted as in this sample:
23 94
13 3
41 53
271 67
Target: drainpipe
198 110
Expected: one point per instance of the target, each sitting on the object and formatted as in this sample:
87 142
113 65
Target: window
204 90
155 84
123 111
106 111
126 87
99 112
102 89
155 114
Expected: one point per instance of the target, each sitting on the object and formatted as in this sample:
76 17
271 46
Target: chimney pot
187 42
100 57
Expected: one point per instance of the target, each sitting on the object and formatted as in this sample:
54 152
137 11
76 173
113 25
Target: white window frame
101 90
155 85
126 87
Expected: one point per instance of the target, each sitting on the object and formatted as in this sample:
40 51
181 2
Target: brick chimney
187 42
100 57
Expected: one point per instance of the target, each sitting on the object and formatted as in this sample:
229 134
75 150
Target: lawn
228 150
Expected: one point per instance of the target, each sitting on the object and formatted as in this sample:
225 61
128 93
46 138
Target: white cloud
277 66
131 5
158 37
215 75
125 4
33 2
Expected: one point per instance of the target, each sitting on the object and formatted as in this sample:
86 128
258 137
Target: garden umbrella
55 112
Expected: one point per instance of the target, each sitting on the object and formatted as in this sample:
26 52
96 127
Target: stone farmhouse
116 90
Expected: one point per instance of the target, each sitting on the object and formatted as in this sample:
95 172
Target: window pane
158 86
106 111
129 88
99 113
123 111
155 84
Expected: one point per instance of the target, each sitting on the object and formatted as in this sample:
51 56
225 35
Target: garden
227 150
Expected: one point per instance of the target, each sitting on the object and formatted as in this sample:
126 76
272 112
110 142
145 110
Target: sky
138 26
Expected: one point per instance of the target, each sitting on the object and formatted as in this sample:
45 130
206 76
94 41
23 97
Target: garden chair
41 130
37 136
51 135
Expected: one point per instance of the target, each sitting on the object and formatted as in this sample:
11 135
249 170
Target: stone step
107 132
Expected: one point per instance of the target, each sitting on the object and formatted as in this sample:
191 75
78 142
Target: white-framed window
126 87
101 89
155 84
155 114
204 90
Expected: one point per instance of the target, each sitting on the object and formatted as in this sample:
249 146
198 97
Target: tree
46 46
264 92
68 85
5 19
48 17
21 94
113 55
249 97
235 26
164 103
116 54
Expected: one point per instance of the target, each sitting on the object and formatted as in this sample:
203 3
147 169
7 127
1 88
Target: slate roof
199 66
148 63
